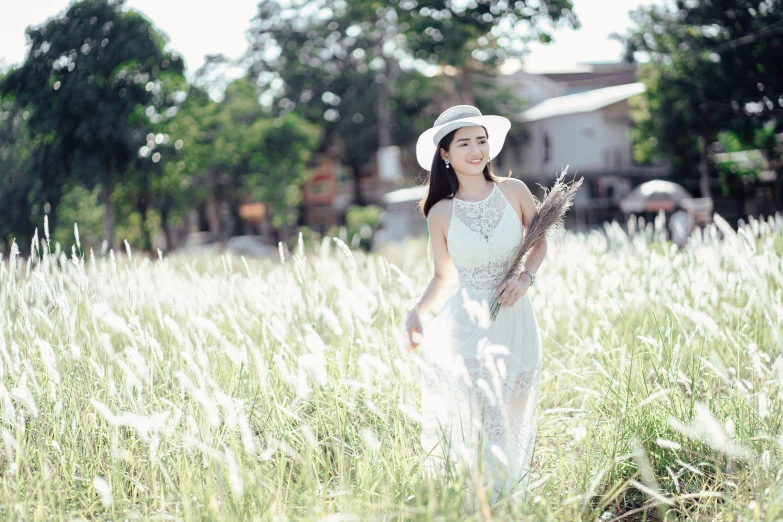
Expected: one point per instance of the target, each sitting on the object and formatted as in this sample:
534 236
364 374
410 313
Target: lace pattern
482 218
490 274
493 406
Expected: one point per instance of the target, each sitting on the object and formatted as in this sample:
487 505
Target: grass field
218 388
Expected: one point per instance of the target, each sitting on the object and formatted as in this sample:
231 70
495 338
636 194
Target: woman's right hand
414 328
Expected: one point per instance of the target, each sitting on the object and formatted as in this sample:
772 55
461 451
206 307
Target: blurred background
236 125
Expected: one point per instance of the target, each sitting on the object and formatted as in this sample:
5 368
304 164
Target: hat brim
497 128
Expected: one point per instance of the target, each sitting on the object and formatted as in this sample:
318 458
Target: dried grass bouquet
550 216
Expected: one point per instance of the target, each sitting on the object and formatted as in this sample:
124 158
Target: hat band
449 127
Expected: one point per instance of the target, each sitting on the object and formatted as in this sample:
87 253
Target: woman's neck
472 188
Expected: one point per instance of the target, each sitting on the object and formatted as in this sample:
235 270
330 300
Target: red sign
322 187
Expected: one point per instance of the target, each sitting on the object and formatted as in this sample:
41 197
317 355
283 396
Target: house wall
591 141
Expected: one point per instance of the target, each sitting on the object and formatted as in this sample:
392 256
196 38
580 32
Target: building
586 126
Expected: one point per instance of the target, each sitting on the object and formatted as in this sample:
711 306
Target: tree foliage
92 83
712 68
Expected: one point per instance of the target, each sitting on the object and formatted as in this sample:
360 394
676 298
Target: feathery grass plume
550 216
46 228
347 251
35 246
11 448
103 490
76 235
12 258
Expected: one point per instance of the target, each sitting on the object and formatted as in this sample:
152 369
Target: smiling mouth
475 162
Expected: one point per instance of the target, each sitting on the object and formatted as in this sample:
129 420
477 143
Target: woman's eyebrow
468 139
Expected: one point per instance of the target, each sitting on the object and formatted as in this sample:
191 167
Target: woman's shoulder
441 209
440 213
512 185
519 195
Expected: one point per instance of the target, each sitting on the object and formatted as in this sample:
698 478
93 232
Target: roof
562 71
557 68
588 101
406 194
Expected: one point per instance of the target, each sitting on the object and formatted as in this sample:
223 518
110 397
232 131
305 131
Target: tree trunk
239 227
303 216
142 207
212 217
164 225
266 228
704 172
385 117
108 213
467 82
358 194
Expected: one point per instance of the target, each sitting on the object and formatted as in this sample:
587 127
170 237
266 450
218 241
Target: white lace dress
475 370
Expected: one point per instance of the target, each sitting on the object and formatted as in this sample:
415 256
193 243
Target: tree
330 63
711 69
745 40
232 152
90 82
16 149
474 36
32 173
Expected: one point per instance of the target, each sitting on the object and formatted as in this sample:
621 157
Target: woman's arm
444 271
528 207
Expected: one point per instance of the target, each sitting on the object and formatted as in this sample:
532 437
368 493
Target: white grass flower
410 412
666 443
11 449
315 361
234 475
46 227
35 243
22 394
309 437
330 319
369 438
7 410
708 430
249 443
174 329
103 490
76 235
577 433
14 254
347 251
650 484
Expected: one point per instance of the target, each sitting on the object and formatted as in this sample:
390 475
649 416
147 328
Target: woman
480 378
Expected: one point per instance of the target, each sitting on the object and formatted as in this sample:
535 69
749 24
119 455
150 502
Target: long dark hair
442 182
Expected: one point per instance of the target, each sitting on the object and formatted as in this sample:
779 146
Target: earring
447 163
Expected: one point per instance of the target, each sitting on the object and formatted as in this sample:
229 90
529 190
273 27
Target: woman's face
469 150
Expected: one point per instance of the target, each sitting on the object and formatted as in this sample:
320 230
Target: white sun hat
454 118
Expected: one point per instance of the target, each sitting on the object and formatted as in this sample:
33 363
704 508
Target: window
547 148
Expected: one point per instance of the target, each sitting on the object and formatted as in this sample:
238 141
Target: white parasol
654 195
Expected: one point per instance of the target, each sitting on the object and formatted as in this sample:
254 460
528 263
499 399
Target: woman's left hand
511 291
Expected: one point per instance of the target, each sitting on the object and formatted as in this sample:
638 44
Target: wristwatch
532 276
